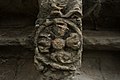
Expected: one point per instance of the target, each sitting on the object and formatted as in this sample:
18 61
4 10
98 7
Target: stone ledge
98 40
101 40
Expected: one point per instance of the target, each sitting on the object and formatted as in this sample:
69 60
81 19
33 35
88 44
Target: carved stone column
58 39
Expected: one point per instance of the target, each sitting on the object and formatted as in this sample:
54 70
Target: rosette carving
58 40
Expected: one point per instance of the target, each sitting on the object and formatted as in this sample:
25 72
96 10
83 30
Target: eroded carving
59 41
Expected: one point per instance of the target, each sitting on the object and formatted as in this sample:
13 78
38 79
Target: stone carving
58 40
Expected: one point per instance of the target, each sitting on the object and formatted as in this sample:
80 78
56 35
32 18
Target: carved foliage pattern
59 39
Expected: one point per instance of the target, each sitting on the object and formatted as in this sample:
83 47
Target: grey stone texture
103 14
96 65
58 39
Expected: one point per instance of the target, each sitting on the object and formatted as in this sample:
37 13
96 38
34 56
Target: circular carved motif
58 44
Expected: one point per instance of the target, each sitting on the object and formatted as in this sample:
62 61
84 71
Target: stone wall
18 13
105 16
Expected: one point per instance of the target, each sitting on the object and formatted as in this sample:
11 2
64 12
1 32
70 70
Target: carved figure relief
58 41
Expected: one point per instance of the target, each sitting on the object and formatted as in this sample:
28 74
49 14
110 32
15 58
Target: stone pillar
58 39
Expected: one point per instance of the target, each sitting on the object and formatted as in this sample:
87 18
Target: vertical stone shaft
58 39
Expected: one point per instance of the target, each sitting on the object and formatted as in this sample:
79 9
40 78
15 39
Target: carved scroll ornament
58 41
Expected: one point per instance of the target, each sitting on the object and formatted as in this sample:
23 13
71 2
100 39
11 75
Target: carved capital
58 39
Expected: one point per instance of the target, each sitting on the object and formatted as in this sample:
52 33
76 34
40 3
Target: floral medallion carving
58 41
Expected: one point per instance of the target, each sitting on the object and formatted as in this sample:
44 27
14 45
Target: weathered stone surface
58 39
96 65
101 65
26 70
28 7
101 14
97 40
18 13
105 16
108 17
101 40
7 69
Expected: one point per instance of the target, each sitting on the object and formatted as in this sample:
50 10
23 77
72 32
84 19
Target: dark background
21 13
